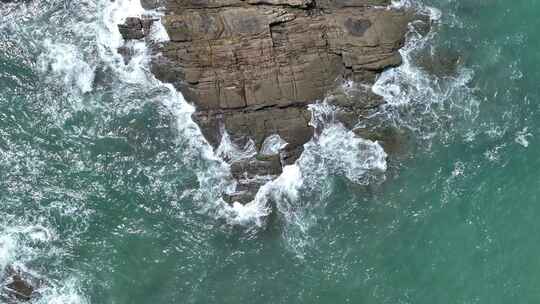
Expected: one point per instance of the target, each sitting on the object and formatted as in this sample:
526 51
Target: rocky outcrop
251 67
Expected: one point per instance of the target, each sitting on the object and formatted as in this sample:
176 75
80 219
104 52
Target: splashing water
417 99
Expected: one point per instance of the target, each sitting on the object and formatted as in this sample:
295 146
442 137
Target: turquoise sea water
109 194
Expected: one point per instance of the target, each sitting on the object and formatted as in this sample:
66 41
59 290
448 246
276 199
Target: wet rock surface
252 67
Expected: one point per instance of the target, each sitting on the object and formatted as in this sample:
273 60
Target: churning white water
414 96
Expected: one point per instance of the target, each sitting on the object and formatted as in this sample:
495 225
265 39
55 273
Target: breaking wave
424 88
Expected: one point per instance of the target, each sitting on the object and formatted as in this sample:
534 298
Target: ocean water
109 194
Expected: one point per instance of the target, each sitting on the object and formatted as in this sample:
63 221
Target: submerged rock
19 289
441 62
252 67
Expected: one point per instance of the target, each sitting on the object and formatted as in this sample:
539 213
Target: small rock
17 286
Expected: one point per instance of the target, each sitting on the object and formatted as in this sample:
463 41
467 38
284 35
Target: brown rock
252 67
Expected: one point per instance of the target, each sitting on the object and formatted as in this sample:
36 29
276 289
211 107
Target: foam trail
346 154
399 86
228 150
8 247
64 61
18 242
272 145
335 150
299 192
67 293
522 137
253 214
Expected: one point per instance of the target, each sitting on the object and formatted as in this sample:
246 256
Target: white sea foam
272 145
494 154
65 61
159 33
338 151
522 137
251 214
230 151
399 4
18 242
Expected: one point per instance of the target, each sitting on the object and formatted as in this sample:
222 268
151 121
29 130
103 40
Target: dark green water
109 194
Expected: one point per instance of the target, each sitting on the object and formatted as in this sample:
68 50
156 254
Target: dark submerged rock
135 28
18 286
443 62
